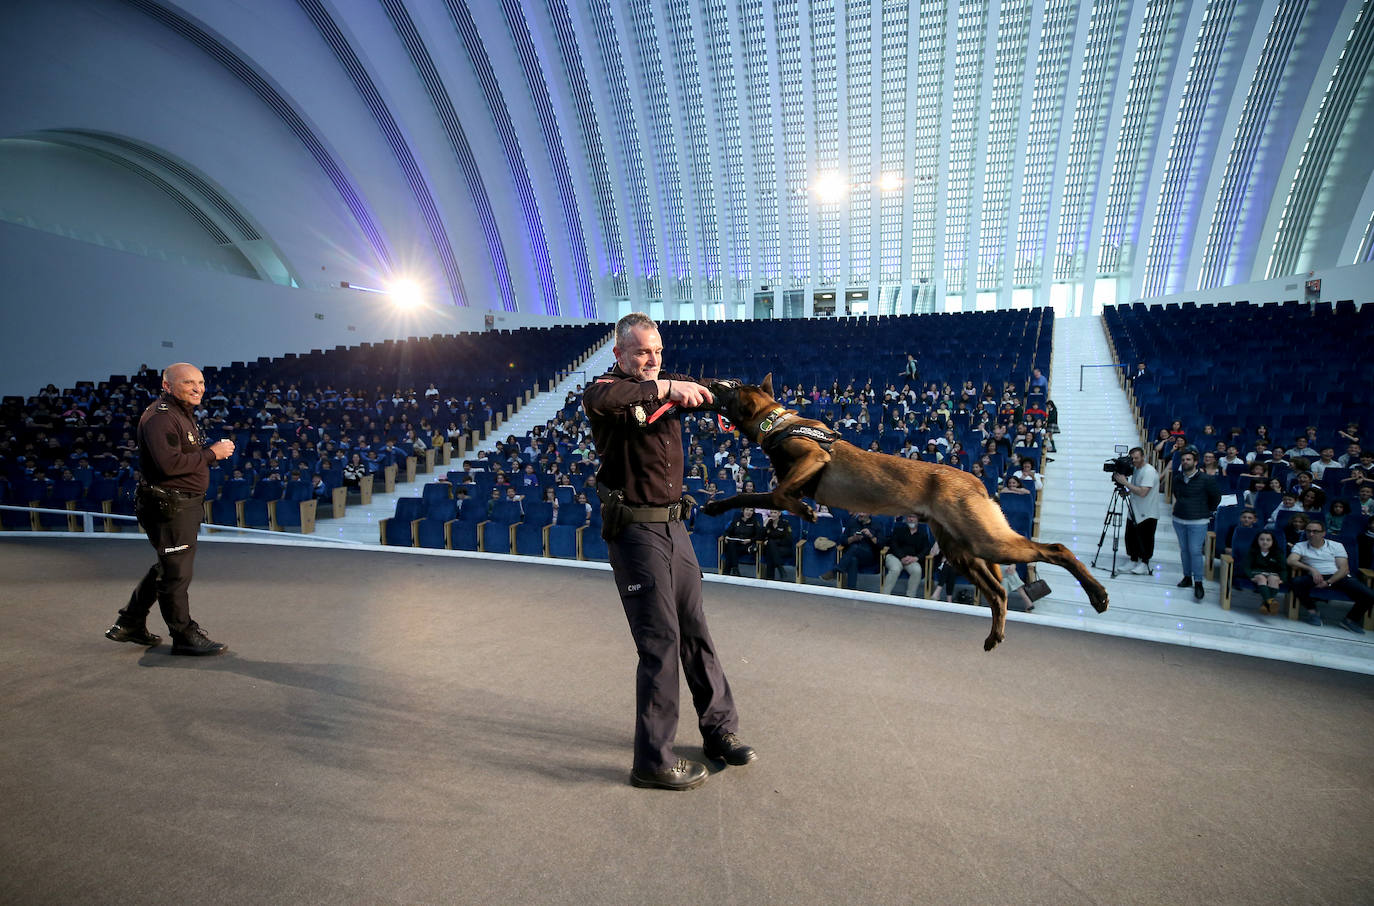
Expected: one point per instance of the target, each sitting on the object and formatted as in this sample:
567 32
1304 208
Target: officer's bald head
184 381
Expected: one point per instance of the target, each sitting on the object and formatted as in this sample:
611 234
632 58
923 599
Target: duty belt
174 492
673 512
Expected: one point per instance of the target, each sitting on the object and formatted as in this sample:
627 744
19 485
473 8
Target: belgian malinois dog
813 462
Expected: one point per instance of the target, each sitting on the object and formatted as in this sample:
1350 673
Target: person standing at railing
175 464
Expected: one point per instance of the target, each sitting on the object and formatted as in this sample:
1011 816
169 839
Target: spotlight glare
829 186
405 294
890 182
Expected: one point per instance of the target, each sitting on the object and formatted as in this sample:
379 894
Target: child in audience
1293 532
1289 504
1014 485
1335 520
1267 569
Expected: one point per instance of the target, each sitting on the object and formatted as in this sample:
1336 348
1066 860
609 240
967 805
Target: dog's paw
992 640
1098 601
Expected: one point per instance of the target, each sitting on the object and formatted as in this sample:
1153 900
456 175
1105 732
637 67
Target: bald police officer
175 465
639 439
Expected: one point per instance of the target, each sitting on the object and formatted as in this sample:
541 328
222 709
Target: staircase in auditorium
1077 491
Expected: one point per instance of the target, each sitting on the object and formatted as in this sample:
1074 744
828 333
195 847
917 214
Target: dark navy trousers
168 581
659 581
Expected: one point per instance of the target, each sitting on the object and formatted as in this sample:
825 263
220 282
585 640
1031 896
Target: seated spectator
1232 457
1319 562
1351 456
908 546
1313 502
1365 500
1326 461
862 544
1248 519
1357 479
1267 569
1336 519
1289 505
1013 585
740 536
1302 447
778 548
1293 532
1013 485
1261 453
1351 433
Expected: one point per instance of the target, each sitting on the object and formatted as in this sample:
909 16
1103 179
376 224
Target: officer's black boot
139 635
682 775
194 641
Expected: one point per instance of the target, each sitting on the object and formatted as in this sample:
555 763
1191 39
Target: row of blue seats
1319 385
436 521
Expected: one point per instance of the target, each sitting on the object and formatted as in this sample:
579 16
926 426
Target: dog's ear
767 385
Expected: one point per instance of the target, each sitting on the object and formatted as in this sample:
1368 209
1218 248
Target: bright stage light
890 182
829 186
405 294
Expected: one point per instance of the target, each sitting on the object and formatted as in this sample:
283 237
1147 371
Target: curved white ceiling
574 157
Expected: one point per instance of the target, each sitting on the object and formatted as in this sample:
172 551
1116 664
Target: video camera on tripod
1119 465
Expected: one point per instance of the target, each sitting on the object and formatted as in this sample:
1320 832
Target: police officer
175 465
639 438
740 539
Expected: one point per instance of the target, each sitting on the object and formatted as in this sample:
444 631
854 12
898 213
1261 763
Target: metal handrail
1108 365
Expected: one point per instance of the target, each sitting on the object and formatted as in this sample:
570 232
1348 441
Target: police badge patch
190 438
641 417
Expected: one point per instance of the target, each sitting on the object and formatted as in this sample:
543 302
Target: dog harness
770 439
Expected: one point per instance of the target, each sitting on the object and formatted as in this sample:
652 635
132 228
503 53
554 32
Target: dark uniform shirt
903 543
639 456
171 449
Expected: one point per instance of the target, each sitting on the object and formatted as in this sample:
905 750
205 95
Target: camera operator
1142 513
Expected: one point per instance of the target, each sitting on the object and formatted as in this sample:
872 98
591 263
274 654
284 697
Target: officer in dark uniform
740 539
778 547
639 439
175 464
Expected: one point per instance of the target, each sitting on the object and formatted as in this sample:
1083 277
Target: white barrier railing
88 518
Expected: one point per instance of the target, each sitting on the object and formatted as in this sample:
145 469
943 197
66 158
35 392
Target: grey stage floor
400 729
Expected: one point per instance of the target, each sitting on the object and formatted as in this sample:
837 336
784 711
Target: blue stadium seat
592 545
255 513
399 530
462 535
433 533
563 541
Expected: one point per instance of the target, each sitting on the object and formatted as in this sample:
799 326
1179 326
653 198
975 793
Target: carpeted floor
408 729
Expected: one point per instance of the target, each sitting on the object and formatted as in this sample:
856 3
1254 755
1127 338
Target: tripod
1112 522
